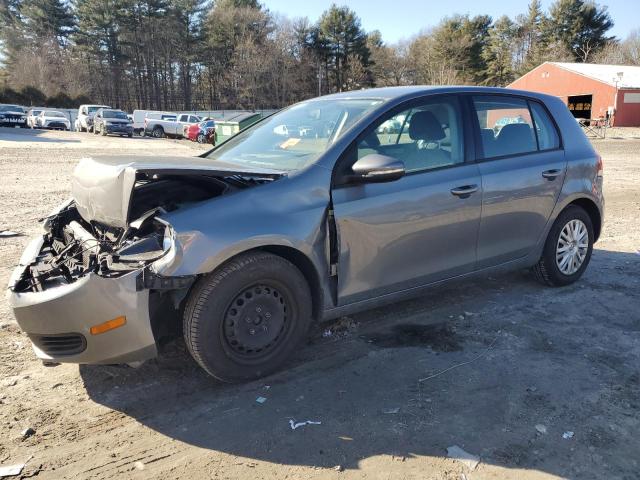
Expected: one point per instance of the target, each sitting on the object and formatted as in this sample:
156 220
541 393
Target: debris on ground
541 429
139 465
11 382
27 432
13 470
477 357
9 234
338 468
567 435
295 425
391 411
468 459
344 327
261 399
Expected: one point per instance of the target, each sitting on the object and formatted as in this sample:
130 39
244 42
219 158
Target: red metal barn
589 90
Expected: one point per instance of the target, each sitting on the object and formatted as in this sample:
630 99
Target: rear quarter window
548 138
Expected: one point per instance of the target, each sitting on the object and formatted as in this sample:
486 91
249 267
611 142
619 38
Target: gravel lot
533 363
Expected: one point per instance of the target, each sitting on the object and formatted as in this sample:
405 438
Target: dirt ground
531 364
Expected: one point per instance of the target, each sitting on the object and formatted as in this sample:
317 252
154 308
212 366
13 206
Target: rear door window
506 126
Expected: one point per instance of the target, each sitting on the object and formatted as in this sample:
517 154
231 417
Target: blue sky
398 19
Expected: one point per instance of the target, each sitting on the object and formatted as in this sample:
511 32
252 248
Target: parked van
84 122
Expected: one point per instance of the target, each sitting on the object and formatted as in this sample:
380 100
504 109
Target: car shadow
483 363
32 135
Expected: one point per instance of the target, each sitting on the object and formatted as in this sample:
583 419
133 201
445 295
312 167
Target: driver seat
425 130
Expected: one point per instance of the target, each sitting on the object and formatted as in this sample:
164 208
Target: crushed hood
102 187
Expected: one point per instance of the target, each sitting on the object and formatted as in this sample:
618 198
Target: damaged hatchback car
313 213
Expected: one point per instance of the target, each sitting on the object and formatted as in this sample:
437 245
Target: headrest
519 134
425 126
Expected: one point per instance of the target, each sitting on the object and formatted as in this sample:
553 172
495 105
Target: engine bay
74 247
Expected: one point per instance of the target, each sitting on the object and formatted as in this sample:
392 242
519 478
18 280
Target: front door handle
551 174
464 191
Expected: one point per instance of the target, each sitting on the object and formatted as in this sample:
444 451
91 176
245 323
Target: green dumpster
229 126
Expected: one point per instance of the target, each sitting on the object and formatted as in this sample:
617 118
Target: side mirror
376 168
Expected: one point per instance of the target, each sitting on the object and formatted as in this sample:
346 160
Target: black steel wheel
244 320
255 321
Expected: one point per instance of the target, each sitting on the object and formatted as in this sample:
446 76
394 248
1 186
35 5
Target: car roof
408 92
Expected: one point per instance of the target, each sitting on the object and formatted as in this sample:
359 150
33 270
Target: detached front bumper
58 319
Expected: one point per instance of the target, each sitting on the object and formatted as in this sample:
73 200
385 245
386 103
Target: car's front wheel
568 248
244 320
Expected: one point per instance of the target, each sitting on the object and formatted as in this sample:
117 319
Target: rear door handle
551 174
464 191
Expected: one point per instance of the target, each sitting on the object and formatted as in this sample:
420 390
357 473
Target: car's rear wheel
158 132
568 248
201 138
244 320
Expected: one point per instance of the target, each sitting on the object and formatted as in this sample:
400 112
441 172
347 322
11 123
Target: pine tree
47 19
498 53
580 26
340 39
530 41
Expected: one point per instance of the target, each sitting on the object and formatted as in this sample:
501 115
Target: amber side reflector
108 325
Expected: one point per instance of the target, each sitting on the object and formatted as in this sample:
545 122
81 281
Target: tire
549 270
201 138
158 132
232 351
130 135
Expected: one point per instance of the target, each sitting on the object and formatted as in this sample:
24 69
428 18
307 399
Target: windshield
294 138
50 113
93 109
11 108
115 114
35 112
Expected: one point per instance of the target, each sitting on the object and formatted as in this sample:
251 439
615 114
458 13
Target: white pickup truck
169 127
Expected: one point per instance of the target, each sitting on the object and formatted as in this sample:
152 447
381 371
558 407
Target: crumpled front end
88 290
81 291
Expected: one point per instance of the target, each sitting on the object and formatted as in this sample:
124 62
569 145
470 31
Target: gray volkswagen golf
313 213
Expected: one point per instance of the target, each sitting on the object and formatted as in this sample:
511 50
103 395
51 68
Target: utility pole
617 79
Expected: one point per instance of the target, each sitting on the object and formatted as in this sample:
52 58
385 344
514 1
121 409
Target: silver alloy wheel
572 247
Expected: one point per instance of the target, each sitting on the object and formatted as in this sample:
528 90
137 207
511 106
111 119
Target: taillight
599 166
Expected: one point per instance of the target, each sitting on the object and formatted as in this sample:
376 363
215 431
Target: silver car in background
32 117
54 120
241 249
